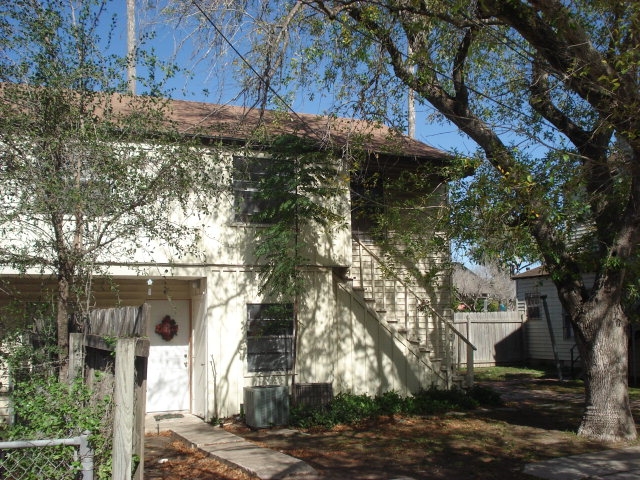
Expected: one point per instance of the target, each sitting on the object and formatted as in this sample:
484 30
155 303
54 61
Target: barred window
532 301
270 337
248 172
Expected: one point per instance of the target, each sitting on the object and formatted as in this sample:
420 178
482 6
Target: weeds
47 408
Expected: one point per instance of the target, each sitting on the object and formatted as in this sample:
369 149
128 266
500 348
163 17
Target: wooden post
470 359
76 357
122 455
553 338
447 354
469 365
141 364
141 407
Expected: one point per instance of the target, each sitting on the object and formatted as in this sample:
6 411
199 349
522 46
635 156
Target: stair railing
450 331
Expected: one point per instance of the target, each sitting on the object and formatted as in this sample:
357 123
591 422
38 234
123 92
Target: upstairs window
248 173
270 337
367 201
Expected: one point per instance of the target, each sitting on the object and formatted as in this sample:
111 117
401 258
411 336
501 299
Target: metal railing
53 459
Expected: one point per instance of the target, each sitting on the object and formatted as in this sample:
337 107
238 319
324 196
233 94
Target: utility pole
131 46
411 107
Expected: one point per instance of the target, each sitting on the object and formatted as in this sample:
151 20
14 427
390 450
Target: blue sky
226 90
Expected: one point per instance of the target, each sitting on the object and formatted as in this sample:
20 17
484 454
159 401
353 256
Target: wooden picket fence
113 345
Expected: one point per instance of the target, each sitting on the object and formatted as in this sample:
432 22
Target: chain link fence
55 459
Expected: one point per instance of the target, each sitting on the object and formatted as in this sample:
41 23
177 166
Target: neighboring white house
358 329
531 287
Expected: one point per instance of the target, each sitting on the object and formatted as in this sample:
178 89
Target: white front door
168 367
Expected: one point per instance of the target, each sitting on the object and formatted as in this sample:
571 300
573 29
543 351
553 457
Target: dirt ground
537 422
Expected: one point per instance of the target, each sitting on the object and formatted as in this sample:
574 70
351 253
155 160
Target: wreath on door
167 328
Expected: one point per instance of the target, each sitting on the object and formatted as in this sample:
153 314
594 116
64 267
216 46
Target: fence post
141 362
122 455
86 457
76 361
448 345
552 336
469 365
470 359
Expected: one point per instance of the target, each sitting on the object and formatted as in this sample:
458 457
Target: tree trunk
62 320
607 414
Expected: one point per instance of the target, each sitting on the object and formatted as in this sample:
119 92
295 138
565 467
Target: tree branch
563 43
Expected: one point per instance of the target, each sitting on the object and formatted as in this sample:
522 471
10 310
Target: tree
299 189
484 286
548 90
299 192
81 183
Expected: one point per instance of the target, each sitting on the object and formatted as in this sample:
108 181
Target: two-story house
361 324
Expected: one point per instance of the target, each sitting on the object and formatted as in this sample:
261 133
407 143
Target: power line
267 84
510 45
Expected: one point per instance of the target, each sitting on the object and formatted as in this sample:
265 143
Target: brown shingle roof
240 124
232 123
534 272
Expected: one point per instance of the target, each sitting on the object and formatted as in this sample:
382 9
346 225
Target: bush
47 408
351 409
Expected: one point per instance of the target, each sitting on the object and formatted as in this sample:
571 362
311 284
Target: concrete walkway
231 449
619 464
267 464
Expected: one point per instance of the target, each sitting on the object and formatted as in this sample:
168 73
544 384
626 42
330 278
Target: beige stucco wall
340 342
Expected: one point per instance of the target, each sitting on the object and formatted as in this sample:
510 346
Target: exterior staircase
406 310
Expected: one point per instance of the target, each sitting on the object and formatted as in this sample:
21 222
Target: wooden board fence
120 353
498 336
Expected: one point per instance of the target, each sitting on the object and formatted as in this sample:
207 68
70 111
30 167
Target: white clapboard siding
539 345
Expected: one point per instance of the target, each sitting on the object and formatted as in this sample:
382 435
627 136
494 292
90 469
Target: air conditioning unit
266 406
312 394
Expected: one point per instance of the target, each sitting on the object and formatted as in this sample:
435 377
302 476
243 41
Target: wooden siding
396 297
375 359
539 344
340 341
